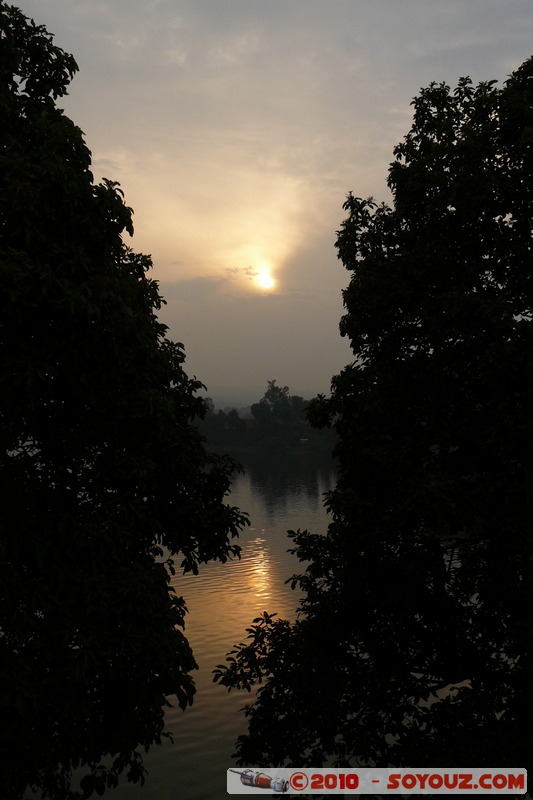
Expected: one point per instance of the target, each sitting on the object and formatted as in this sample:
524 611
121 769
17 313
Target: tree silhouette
414 646
104 477
280 418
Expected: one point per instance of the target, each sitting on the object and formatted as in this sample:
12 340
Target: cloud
191 289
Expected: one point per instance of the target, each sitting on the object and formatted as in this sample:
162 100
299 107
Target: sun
264 278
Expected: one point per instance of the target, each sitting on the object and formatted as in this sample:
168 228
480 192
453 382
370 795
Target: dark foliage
224 429
414 647
278 407
104 476
279 424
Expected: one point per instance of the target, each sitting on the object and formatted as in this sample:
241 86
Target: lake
279 494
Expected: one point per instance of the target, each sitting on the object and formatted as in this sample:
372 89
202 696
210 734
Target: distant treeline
278 421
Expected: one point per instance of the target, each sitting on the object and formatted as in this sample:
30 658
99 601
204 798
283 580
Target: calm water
222 600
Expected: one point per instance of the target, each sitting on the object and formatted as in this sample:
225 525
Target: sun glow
264 278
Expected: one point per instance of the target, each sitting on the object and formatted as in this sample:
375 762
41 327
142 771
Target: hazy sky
237 127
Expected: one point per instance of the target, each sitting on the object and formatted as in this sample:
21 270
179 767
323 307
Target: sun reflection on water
260 568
